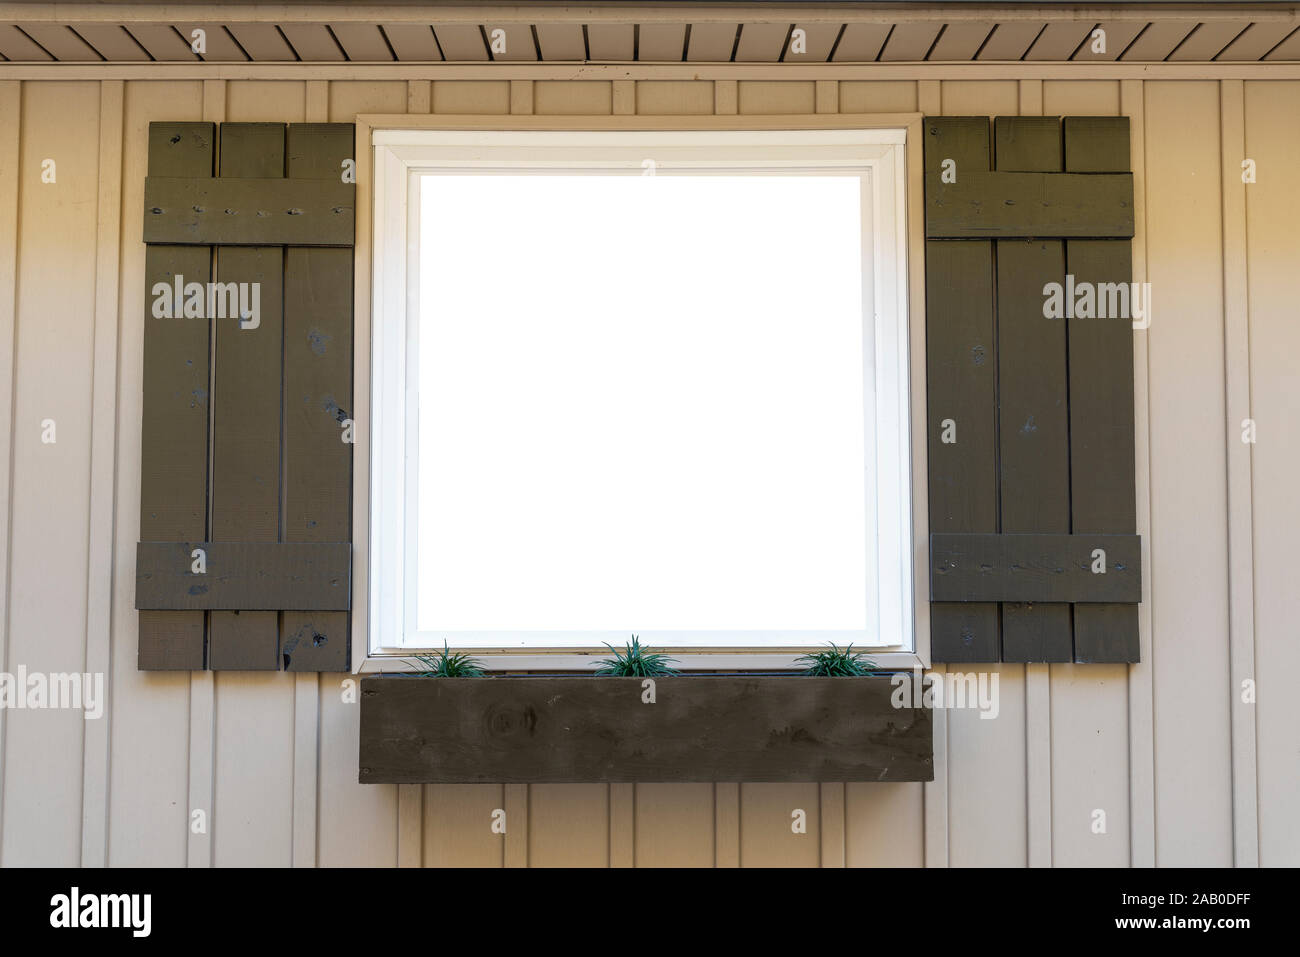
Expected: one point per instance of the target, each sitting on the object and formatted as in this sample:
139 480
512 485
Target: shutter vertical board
246 404
1101 397
317 399
960 387
961 362
1033 421
174 427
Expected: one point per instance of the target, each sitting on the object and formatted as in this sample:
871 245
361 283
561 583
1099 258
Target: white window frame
395 161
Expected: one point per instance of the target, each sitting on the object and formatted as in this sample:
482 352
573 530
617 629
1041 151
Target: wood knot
511 720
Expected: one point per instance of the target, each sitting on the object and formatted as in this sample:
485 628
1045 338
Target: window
650 383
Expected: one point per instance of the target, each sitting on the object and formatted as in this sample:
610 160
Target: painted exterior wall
1182 769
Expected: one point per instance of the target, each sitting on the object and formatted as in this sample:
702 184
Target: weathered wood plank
317 398
1033 436
246 407
1035 568
1102 483
174 420
1021 147
1096 144
244 576
1102 465
248 211
587 729
961 360
1006 205
960 393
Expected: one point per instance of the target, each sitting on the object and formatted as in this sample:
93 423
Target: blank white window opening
667 405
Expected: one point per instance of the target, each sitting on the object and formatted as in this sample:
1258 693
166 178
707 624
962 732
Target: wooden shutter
1030 418
246 452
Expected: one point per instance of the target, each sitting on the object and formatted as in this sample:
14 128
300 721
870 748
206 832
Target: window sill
567 729
686 660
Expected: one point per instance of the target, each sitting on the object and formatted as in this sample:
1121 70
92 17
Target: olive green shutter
1033 545
244 560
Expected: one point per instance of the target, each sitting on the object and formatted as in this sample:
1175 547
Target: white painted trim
691 659
401 156
542 149
721 72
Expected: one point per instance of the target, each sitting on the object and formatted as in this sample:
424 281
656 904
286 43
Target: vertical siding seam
201 756
726 97
410 825
10 90
715 825
521 97
419 96
727 823
929 97
1238 464
620 802
623 98
315 103
1141 686
935 811
1038 763
202 752
101 513
517 803
304 848
832 800
826 96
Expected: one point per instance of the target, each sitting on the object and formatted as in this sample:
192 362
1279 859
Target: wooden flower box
732 727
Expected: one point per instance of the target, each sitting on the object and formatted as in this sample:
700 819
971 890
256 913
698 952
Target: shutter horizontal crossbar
984 205
230 211
1028 568
243 576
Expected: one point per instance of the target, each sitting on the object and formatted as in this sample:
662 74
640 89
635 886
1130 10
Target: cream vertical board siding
986 773
568 825
673 825
1272 211
1193 786
1022 788
462 825
53 349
